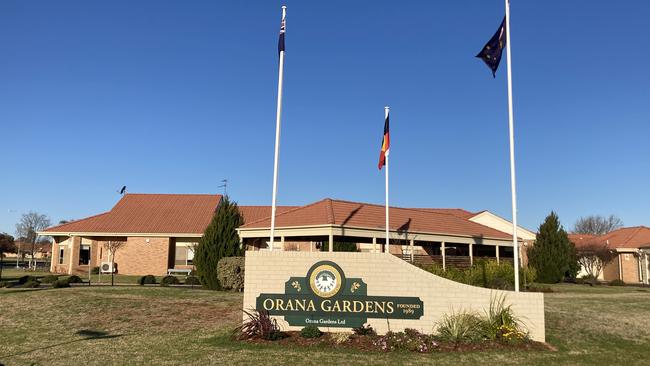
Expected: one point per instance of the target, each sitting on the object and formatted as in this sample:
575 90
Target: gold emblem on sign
296 285
355 286
325 281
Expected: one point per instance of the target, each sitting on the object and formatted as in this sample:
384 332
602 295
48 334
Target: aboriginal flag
491 52
283 26
385 145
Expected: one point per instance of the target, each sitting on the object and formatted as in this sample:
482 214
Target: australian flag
491 52
283 26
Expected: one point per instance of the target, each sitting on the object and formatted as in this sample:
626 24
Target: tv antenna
224 185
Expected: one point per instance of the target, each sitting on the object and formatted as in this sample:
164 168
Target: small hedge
230 272
169 280
60 284
94 270
310 331
24 279
617 283
49 279
147 280
74 279
31 284
192 280
4 284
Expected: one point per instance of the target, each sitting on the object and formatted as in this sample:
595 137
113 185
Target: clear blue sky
173 96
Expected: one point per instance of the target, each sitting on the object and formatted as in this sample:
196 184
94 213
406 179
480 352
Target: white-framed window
184 255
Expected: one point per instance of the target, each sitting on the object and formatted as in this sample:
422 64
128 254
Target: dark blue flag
491 52
283 25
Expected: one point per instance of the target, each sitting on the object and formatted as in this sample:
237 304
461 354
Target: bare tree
112 246
28 227
597 225
594 257
6 246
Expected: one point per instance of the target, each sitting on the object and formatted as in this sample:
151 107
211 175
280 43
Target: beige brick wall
386 275
139 257
630 268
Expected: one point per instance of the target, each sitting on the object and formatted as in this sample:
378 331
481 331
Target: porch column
497 253
442 251
471 254
374 244
331 243
282 242
412 255
71 247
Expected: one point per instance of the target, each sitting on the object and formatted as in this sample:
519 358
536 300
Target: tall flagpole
515 244
386 245
277 128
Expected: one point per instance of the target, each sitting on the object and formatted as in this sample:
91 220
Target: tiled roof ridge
286 212
172 194
419 209
330 211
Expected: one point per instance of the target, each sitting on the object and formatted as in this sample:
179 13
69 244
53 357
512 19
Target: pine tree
552 253
219 240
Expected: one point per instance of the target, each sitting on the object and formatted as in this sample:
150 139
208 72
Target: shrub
409 339
230 272
94 270
340 247
31 284
74 279
147 280
192 280
60 284
364 330
169 280
617 283
486 273
49 279
462 327
310 331
4 284
24 279
258 324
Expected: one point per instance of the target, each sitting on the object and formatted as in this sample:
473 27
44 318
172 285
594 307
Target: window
61 254
84 255
184 255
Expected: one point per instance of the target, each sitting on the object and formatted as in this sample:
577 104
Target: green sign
325 297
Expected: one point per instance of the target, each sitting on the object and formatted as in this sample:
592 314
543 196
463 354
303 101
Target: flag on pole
491 52
283 26
385 145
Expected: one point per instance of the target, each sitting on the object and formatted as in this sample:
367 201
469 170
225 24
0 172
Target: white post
277 133
387 244
515 243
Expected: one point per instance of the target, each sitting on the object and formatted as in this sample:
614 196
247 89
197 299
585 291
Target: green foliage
340 247
4 284
364 330
617 282
220 240
461 327
408 340
60 283
94 270
169 280
192 280
49 278
499 318
31 284
24 279
230 272
74 279
489 274
552 255
147 280
310 331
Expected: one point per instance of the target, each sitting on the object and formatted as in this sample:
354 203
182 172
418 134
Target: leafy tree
219 240
112 246
552 254
597 225
6 246
28 227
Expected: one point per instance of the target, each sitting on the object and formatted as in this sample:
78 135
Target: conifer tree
219 240
552 253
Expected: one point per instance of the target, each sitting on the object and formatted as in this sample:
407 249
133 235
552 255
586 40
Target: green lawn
177 326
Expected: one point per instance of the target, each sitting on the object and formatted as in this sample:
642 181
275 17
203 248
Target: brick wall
139 257
386 275
630 268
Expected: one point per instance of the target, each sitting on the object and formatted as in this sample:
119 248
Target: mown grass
179 326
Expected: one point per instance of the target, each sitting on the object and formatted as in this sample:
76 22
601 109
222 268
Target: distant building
160 231
631 246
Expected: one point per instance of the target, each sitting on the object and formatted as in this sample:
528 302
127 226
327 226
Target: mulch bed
365 343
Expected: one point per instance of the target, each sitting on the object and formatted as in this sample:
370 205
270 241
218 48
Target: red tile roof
149 213
627 237
364 215
254 213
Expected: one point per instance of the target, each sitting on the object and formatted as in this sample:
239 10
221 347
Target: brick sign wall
339 290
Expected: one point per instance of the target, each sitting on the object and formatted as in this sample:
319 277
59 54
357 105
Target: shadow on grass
86 334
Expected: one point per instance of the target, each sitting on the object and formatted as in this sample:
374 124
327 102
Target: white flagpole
515 243
277 136
386 246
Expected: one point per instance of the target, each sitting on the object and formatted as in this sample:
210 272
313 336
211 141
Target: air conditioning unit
107 267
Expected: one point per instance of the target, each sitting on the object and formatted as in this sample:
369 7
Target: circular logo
325 281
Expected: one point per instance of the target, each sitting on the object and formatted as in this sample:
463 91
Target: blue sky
174 96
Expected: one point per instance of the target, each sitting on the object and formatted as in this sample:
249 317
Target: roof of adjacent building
255 213
363 215
149 213
628 237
